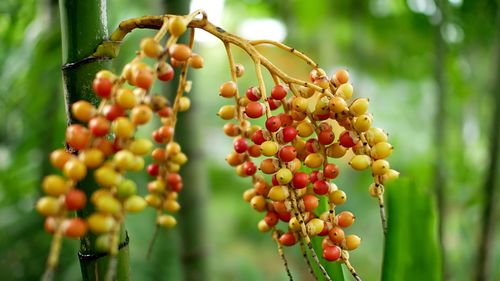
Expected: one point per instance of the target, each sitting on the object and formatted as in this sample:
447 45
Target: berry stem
55 249
280 45
351 269
306 258
282 254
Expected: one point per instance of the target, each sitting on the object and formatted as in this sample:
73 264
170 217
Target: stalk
193 198
84 27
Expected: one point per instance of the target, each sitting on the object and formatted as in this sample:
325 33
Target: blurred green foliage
388 47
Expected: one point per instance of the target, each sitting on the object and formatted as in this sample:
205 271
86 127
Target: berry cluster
103 147
295 150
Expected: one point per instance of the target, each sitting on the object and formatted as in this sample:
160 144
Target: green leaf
412 247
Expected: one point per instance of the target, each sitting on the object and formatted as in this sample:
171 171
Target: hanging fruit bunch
309 122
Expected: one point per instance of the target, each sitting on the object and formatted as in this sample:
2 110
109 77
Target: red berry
254 151
273 104
258 137
165 72
273 123
249 168
153 169
321 187
75 228
331 253
324 232
300 180
286 119
315 176
287 239
271 218
326 137
75 200
346 140
336 235
111 112
286 216
312 145
165 112
77 136
254 109
158 137
240 145
174 179
99 126
322 116
278 92
345 219
253 94
289 133
274 180
102 87
311 202
287 153
331 171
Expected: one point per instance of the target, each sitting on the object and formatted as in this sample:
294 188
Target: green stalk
193 198
84 27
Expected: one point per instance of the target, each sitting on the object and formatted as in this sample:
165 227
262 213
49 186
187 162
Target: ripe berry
111 112
330 171
154 170
321 187
345 219
287 153
254 109
273 123
286 119
180 52
331 253
165 72
271 218
99 126
258 137
278 92
269 166
326 137
195 61
102 87
240 145
273 103
143 78
141 114
336 235
289 133
254 151
75 200
311 202
253 94
300 180
287 239
83 110
228 89
77 136
346 139
312 145
74 228
59 157
249 168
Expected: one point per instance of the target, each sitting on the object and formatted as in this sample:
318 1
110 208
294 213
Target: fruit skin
75 200
54 185
74 228
345 219
77 136
331 253
287 239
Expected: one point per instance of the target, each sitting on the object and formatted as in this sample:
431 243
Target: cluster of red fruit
295 150
103 147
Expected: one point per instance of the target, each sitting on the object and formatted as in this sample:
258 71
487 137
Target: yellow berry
338 197
258 203
375 190
363 123
249 194
381 150
171 206
140 146
360 162
48 206
337 104
75 169
305 129
352 242
126 99
315 226
390 175
336 150
106 176
176 26
153 200
91 157
100 223
294 224
59 157
184 104
108 204
135 204
359 106
141 114
269 148
83 110
54 185
166 221
284 176
151 47
123 128
173 148
263 226
380 167
314 160
278 193
228 89
300 104
123 159
345 91
227 112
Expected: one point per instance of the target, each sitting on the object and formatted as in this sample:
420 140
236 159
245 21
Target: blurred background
429 67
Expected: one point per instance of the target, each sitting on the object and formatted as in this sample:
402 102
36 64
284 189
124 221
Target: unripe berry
54 185
337 197
269 166
227 112
141 114
106 176
314 160
249 194
305 129
91 157
359 106
278 193
315 226
345 91
380 167
363 123
300 104
263 226
177 26
269 148
59 157
336 150
389 176
151 47
294 224
83 110
100 223
381 150
166 221
134 204
171 206
360 162
284 176
258 203
123 159
184 104
341 77
75 169
123 128
48 206
375 135
195 61
352 242
337 104
228 89
108 204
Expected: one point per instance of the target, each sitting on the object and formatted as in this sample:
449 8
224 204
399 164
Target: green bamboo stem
84 27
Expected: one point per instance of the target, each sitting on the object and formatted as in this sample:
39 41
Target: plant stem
491 184
84 27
